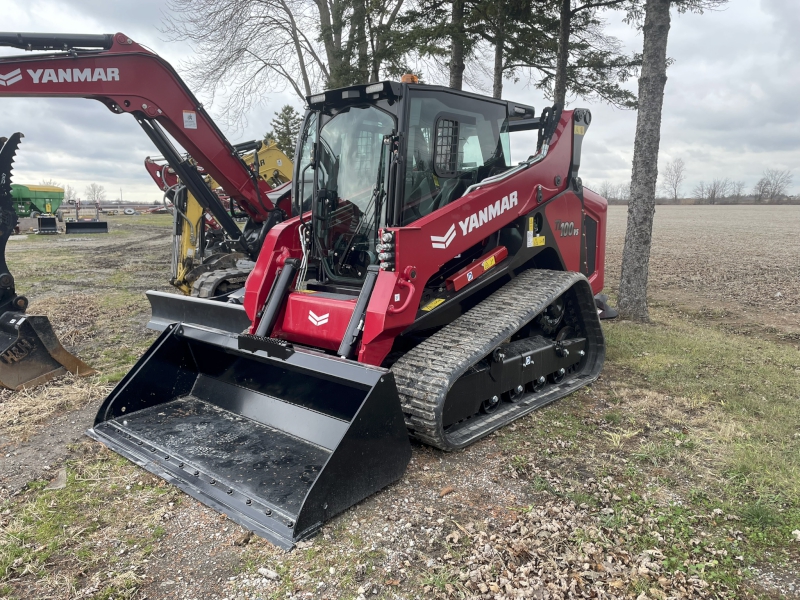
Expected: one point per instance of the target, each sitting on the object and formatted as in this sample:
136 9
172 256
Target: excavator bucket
30 353
278 438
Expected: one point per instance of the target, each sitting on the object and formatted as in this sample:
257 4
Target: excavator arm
201 266
128 78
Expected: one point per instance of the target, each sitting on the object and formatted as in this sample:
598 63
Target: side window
472 156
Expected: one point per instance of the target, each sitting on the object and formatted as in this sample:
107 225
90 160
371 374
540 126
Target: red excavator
414 283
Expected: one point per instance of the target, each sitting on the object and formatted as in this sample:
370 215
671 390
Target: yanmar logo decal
444 241
476 220
73 75
482 217
61 75
318 320
10 78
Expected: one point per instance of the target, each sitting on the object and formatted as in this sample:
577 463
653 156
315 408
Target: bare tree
95 193
245 47
772 185
719 189
714 191
641 207
700 191
674 176
737 189
606 189
778 182
69 193
51 182
614 192
761 190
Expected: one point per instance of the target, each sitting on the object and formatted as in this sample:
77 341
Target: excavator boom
128 78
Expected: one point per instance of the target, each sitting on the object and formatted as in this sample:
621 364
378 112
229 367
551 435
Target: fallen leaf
447 490
244 540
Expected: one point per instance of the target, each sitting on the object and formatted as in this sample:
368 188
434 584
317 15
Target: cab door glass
453 142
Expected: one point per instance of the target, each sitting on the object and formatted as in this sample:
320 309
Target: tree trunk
326 33
499 45
562 59
642 204
457 46
360 21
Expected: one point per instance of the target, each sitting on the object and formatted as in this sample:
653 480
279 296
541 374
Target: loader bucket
87 227
46 225
30 353
280 445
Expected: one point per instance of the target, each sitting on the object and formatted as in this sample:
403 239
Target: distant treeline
698 201
771 188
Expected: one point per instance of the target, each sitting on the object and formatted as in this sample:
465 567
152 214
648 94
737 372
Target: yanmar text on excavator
412 282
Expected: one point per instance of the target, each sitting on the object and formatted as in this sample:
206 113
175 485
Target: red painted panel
129 78
281 242
426 244
597 208
565 216
315 320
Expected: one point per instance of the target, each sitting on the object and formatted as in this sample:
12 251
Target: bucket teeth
8 149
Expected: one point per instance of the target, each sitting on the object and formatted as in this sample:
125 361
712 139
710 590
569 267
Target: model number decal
567 228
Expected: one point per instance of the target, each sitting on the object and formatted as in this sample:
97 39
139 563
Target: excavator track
426 374
220 281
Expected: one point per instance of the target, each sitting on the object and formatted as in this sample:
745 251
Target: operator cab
387 154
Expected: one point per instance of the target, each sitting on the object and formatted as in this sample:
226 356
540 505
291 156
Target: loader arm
128 78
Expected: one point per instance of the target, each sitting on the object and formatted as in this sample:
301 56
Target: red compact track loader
413 283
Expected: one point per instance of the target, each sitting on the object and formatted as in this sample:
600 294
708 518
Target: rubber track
206 285
425 374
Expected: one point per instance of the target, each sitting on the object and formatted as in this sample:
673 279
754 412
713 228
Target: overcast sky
730 108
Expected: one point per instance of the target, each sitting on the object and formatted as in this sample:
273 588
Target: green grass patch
70 527
751 389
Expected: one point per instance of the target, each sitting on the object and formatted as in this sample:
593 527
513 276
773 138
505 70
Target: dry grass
73 316
22 413
87 539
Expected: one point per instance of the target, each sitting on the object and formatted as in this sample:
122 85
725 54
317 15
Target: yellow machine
202 263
